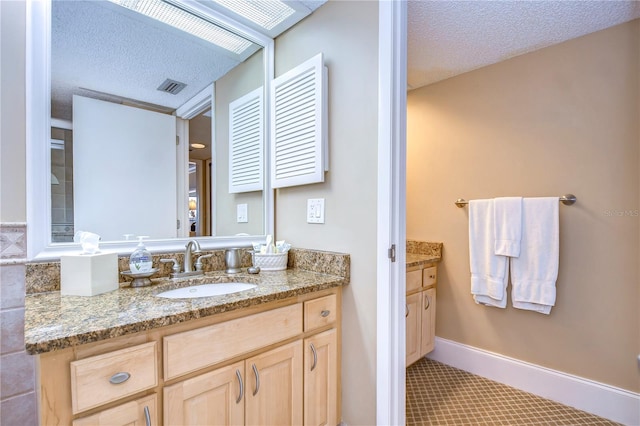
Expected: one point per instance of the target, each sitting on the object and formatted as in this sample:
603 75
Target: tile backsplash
18 401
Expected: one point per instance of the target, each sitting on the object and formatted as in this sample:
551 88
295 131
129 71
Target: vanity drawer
319 312
414 280
105 378
139 412
429 276
195 349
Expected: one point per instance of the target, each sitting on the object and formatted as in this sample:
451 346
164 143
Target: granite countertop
55 322
421 253
415 259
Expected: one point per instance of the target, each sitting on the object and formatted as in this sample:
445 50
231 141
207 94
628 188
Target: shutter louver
298 131
246 131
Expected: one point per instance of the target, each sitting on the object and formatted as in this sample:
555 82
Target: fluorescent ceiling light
187 22
266 13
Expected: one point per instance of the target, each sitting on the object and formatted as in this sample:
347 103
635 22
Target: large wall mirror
128 124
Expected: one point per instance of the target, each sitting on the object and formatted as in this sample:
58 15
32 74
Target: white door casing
392 109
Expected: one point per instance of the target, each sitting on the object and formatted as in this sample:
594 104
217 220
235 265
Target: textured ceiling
447 38
99 48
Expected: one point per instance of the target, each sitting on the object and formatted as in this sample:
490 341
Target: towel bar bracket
566 199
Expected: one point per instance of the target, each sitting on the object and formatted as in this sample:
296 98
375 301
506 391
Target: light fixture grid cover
187 22
267 14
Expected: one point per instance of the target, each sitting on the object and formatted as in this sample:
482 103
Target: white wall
124 170
347 33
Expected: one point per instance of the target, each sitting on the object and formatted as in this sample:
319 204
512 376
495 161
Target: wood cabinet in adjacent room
420 312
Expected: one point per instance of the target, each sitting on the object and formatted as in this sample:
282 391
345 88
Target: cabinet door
428 321
141 412
321 379
274 386
413 327
214 398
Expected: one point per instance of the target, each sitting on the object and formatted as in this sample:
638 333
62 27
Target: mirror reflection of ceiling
103 51
447 38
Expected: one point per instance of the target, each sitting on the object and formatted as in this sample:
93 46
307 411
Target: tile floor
438 394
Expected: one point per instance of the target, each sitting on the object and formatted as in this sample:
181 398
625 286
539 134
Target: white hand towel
488 271
535 271
507 217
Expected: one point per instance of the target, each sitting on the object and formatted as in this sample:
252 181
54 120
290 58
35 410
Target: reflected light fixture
178 18
192 205
267 14
198 145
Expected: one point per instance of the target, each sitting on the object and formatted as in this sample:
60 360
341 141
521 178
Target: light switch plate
315 210
242 213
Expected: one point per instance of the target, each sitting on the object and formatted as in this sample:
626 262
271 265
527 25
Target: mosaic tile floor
438 394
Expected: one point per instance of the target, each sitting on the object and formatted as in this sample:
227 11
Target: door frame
391 212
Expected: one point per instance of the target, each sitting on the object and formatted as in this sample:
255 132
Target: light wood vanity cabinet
273 364
263 390
420 312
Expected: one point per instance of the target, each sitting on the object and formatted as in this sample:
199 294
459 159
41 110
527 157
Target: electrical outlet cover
315 210
242 213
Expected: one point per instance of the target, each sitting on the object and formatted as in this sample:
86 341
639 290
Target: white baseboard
613 403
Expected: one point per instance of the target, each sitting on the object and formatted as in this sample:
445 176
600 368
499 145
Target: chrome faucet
188 261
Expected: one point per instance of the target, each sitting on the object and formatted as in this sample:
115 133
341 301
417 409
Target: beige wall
346 32
12 106
562 119
243 79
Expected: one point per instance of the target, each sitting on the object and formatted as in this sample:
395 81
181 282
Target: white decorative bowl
271 262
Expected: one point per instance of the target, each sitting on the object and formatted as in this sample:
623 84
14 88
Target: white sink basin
206 290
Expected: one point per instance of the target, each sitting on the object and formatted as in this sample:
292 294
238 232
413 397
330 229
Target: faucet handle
176 265
199 261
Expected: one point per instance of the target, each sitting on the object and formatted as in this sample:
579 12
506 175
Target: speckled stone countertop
420 253
55 322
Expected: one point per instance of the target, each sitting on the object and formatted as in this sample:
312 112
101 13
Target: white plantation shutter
246 140
298 128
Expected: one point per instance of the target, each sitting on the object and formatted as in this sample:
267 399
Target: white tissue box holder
88 274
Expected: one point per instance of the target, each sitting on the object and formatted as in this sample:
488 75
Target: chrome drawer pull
406 310
118 378
325 313
147 416
255 372
241 387
315 357
428 300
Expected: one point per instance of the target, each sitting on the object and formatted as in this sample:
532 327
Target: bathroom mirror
232 76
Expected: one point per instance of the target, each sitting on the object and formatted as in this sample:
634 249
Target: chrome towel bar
566 199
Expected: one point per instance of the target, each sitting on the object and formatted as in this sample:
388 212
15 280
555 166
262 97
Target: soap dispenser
140 260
